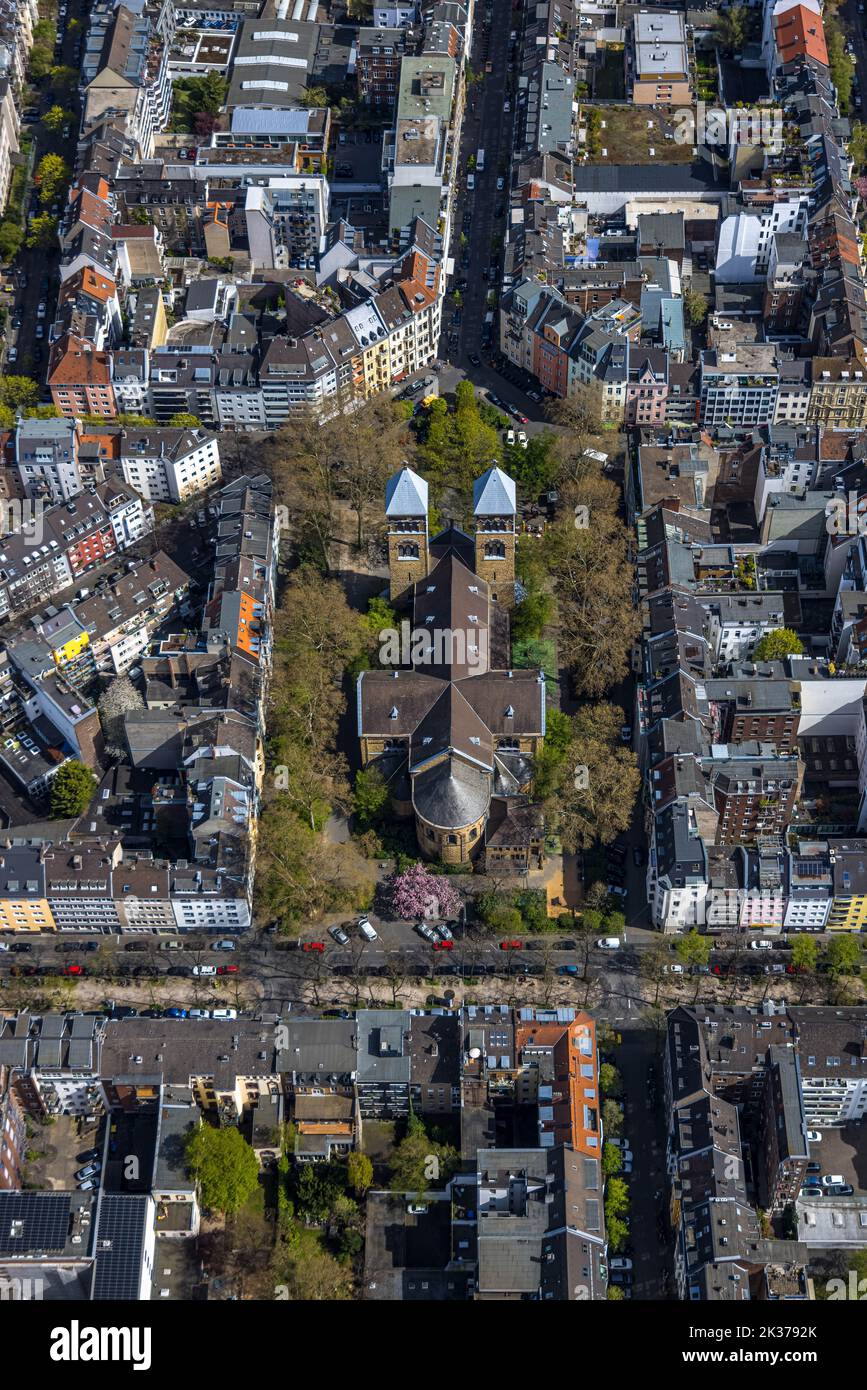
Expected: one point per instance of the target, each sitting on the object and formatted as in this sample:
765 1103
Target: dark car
90 1154
21 946
638 856
475 359
151 1013
136 946
123 1011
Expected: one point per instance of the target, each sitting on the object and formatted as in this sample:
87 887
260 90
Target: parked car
568 970
21 946
90 1155
90 1171
833 1180
224 945
339 935
475 359
761 945
175 1013
608 943
814 1167
814 1136
620 1262
511 945
675 970
136 946
199 1013
841 1189
224 1013
313 947
204 970
89 1185
227 969
364 926
444 931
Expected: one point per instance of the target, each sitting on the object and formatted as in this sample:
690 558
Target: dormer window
510 713
472 617
474 738
393 712
429 618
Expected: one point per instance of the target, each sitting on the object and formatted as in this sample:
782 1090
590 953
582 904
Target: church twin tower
409 541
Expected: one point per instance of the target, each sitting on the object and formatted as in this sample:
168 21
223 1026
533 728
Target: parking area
843 1152
58 1150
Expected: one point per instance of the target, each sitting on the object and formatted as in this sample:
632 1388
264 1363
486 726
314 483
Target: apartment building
169 465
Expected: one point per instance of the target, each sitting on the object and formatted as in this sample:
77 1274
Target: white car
675 969
40 311
366 930
814 1136
12 355
522 438
761 945
627 1166
444 932
204 970
501 182
510 436
224 1013
620 1262
4 946
425 930
832 1179
626 733
608 943
198 1013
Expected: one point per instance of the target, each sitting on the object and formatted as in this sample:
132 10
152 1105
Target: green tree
183 420
730 25
695 306
11 238
359 1172
371 797
843 954
617 1231
778 644
858 145
612 1160
599 781
315 96
18 392
72 788
612 1118
418 1162
51 174
693 949
54 118
42 233
616 1197
610 1083
805 953
224 1166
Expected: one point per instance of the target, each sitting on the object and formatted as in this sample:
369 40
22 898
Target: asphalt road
41 267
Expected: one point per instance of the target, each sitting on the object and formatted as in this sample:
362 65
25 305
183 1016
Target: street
36 269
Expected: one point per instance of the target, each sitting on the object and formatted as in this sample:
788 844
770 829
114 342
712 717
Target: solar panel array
33 1223
118 1246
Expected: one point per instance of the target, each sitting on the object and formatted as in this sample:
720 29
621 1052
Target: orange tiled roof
75 362
801 34
108 444
576 1096
90 282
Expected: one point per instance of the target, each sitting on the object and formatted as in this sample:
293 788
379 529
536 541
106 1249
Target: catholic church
454 729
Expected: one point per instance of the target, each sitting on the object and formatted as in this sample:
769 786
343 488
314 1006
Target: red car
312 945
444 945
73 970
511 945
227 969
522 419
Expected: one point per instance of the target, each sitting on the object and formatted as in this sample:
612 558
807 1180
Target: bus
480 161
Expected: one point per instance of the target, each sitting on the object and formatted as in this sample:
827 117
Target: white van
366 929
224 1013
608 943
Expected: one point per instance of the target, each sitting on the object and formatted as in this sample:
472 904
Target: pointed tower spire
406 503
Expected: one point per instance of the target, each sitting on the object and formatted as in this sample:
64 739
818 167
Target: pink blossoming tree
416 892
